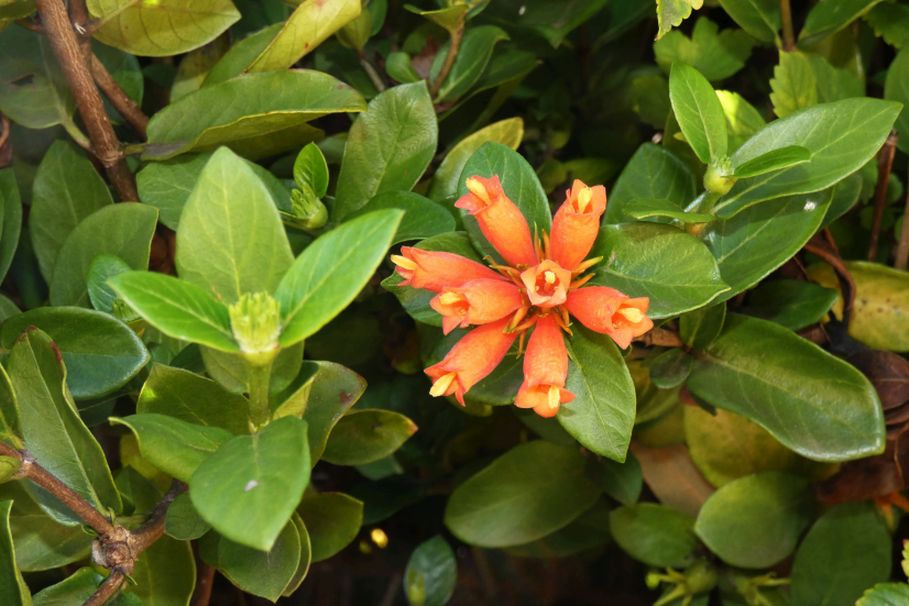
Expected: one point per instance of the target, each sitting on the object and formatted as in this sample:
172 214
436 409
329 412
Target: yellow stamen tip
442 384
475 187
584 198
403 262
549 276
632 314
450 298
553 397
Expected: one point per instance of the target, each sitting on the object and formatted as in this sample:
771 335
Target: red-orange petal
476 302
471 359
576 224
437 270
611 312
545 369
500 220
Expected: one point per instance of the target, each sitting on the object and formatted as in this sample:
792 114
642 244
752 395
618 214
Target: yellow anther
552 397
550 277
632 314
451 298
403 262
442 384
379 537
584 198
475 187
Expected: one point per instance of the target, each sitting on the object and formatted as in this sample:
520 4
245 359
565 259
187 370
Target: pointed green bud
307 209
718 179
255 321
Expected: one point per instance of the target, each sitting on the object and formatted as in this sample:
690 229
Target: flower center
632 314
441 385
546 284
584 198
455 301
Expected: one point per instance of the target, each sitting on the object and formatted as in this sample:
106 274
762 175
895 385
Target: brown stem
884 166
453 49
661 337
204 584
107 590
902 246
75 69
374 76
46 480
153 528
788 31
128 108
847 284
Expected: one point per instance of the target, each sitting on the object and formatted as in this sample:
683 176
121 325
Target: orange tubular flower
576 224
434 270
608 311
545 370
476 302
470 360
501 222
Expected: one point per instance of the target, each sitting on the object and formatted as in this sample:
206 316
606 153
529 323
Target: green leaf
652 173
400 69
52 430
178 308
701 327
794 84
602 414
623 481
654 534
671 368
333 519
698 112
161 28
890 21
450 18
586 532
174 446
792 303
841 136
649 208
431 573
77 588
552 21
258 114
183 521
250 487
671 13
310 170
520 183
826 571
128 229
658 261
530 491
885 594
165 574
101 353
231 240
830 16
305 557
261 573
194 68
10 219
756 521
896 88
422 218
756 241
471 61
760 18
13 590
811 401
717 55
327 276
508 132
67 189
100 270
311 23
334 390
742 118
777 159
366 435
388 147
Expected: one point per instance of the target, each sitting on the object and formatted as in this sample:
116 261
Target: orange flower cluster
538 291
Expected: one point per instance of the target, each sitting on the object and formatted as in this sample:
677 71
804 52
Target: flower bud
255 321
307 209
718 179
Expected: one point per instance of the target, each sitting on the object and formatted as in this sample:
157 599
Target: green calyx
718 179
307 209
699 578
255 321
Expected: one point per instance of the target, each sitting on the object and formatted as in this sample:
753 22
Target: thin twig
884 166
124 104
788 30
5 130
31 470
902 245
847 284
75 69
107 590
153 528
204 584
661 337
453 49
374 76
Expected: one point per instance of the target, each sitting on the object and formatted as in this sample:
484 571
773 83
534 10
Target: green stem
259 382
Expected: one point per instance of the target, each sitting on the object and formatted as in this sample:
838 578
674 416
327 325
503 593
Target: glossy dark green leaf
13 590
588 531
77 588
623 481
100 270
52 430
241 55
178 308
258 114
793 303
552 22
520 183
250 487
422 218
366 435
654 534
698 112
530 491
473 55
826 571
101 353
165 574
183 522
601 415
670 266
653 173
128 230
701 327
776 159
10 218
829 16
193 398
174 446
431 573
327 276
811 401
67 189
388 148
756 521
333 520
671 368
760 18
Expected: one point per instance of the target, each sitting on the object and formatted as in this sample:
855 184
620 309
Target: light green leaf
334 390
174 446
305 557
885 594
195 66
756 521
311 23
388 147
777 159
422 218
742 118
890 21
830 16
333 519
717 55
649 208
530 491
13 590
311 170
165 574
250 487
327 276
163 27
794 84
812 402
760 18
654 534
258 114
602 414
128 231
241 55
652 173
431 573
366 435
450 18
67 189
231 240
10 219
671 13
698 112
178 308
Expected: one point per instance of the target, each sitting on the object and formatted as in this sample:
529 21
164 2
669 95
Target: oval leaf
699 113
367 435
